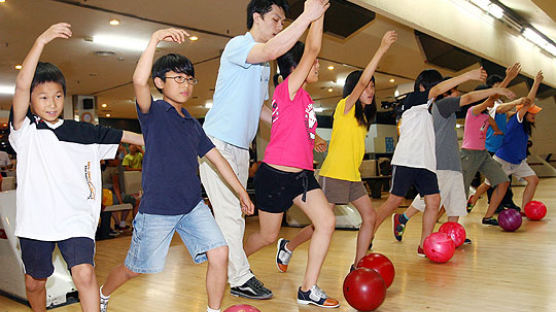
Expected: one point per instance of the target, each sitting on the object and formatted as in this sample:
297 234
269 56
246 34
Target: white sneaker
283 255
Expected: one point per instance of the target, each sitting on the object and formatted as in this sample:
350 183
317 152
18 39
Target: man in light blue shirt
231 123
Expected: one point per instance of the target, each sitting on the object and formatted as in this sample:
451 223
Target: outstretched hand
539 77
316 8
513 71
60 30
171 35
477 74
505 92
388 39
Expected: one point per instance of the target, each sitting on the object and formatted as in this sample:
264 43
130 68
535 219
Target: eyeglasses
182 79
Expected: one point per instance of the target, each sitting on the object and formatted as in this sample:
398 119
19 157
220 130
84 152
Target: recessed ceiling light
330 89
104 105
4 89
392 80
107 115
2 1
17 66
193 38
114 22
330 67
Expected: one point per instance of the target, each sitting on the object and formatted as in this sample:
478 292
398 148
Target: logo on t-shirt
275 111
89 180
310 120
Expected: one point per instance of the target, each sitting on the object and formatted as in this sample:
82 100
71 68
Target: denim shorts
153 233
37 254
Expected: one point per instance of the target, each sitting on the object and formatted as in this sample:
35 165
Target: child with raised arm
58 176
414 158
286 173
339 176
171 199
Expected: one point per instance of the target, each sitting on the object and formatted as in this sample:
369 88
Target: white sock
212 310
102 295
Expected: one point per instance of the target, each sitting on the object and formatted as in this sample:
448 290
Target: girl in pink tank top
286 175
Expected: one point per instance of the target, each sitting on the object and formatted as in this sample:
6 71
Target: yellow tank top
347 146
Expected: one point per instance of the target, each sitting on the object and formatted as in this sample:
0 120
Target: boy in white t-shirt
58 175
414 160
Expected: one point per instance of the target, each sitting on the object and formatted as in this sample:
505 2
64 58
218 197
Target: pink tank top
292 136
474 132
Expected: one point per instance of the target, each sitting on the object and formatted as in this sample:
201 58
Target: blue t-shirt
240 91
170 182
514 147
493 142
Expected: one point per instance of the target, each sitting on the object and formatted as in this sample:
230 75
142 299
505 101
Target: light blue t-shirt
493 142
240 91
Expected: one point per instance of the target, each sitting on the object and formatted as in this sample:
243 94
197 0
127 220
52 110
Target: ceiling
109 77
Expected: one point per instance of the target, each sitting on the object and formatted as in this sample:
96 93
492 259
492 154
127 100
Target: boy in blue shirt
171 188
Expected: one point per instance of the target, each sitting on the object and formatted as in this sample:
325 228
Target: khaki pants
226 207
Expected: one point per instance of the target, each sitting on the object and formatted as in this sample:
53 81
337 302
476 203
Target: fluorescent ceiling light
10 90
537 39
121 42
495 10
483 4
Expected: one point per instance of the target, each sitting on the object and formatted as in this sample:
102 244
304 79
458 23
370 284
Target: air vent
440 53
342 19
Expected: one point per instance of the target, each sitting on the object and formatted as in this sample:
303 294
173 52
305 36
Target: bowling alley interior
170 155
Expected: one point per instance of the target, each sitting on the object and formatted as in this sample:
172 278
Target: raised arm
506 107
475 96
312 48
24 78
447 85
535 87
230 177
387 40
142 72
283 41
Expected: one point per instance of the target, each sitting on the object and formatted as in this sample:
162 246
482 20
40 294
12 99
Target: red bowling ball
381 264
535 210
364 289
456 232
439 247
242 308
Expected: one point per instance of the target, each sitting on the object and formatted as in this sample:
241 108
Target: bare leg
36 293
365 235
496 198
217 275
429 216
271 223
318 210
529 192
86 283
387 209
479 192
117 277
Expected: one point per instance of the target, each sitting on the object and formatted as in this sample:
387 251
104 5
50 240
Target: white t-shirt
416 146
59 188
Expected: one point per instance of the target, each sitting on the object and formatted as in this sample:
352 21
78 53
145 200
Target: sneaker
469 204
490 221
252 289
513 206
421 252
499 209
113 233
103 302
397 227
282 255
467 241
316 296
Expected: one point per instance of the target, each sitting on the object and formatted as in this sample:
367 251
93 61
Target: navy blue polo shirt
514 146
170 182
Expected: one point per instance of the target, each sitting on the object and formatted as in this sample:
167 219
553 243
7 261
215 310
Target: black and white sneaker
252 289
316 296
283 255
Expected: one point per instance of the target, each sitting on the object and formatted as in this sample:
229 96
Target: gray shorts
473 161
341 191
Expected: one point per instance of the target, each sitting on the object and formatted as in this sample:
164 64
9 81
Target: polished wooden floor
499 272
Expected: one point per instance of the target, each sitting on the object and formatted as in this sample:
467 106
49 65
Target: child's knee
83 274
327 222
218 256
34 285
269 238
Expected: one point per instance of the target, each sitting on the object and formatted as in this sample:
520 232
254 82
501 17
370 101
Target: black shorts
275 189
37 255
403 178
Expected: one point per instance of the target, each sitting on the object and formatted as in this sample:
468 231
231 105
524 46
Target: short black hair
172 62
492 79
288 60
48 72
428 78
262 7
